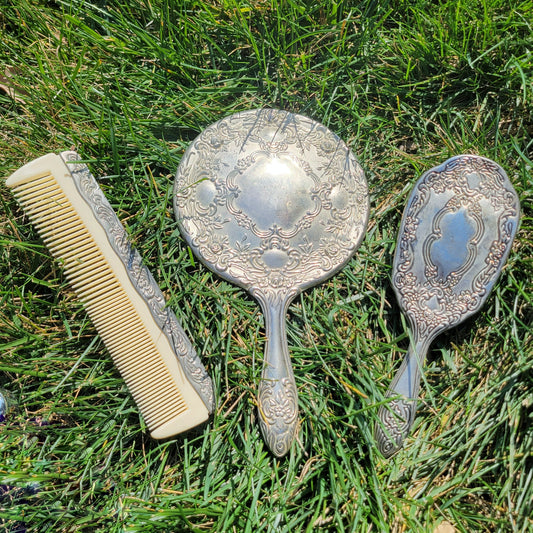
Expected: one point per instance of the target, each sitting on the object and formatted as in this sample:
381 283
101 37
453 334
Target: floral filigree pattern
274 202
395 424
226 155
456 233
439 293
278 403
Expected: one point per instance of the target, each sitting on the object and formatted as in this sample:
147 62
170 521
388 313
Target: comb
147 344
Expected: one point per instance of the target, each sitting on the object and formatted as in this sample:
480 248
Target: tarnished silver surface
455 236
141 278
274 202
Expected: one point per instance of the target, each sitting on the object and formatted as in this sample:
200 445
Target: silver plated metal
455 236
274 202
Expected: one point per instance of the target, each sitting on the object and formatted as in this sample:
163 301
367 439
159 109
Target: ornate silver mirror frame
274 202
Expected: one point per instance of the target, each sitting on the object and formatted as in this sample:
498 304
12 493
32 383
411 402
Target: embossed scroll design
396 422
244 261
453 306
273 233
434 300
278 406
141 278
274 202
475 215
396 418
277 398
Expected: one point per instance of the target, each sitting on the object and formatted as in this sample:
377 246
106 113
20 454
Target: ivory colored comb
150 349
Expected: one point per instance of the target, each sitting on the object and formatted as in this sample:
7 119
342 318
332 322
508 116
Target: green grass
129 84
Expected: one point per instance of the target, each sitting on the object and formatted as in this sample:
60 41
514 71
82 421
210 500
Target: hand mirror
274 202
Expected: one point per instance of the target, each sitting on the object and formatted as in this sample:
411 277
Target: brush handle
397 416
277 395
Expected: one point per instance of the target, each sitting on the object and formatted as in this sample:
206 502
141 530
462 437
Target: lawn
129 84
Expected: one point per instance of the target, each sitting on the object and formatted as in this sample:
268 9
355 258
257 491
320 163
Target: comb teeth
141 350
